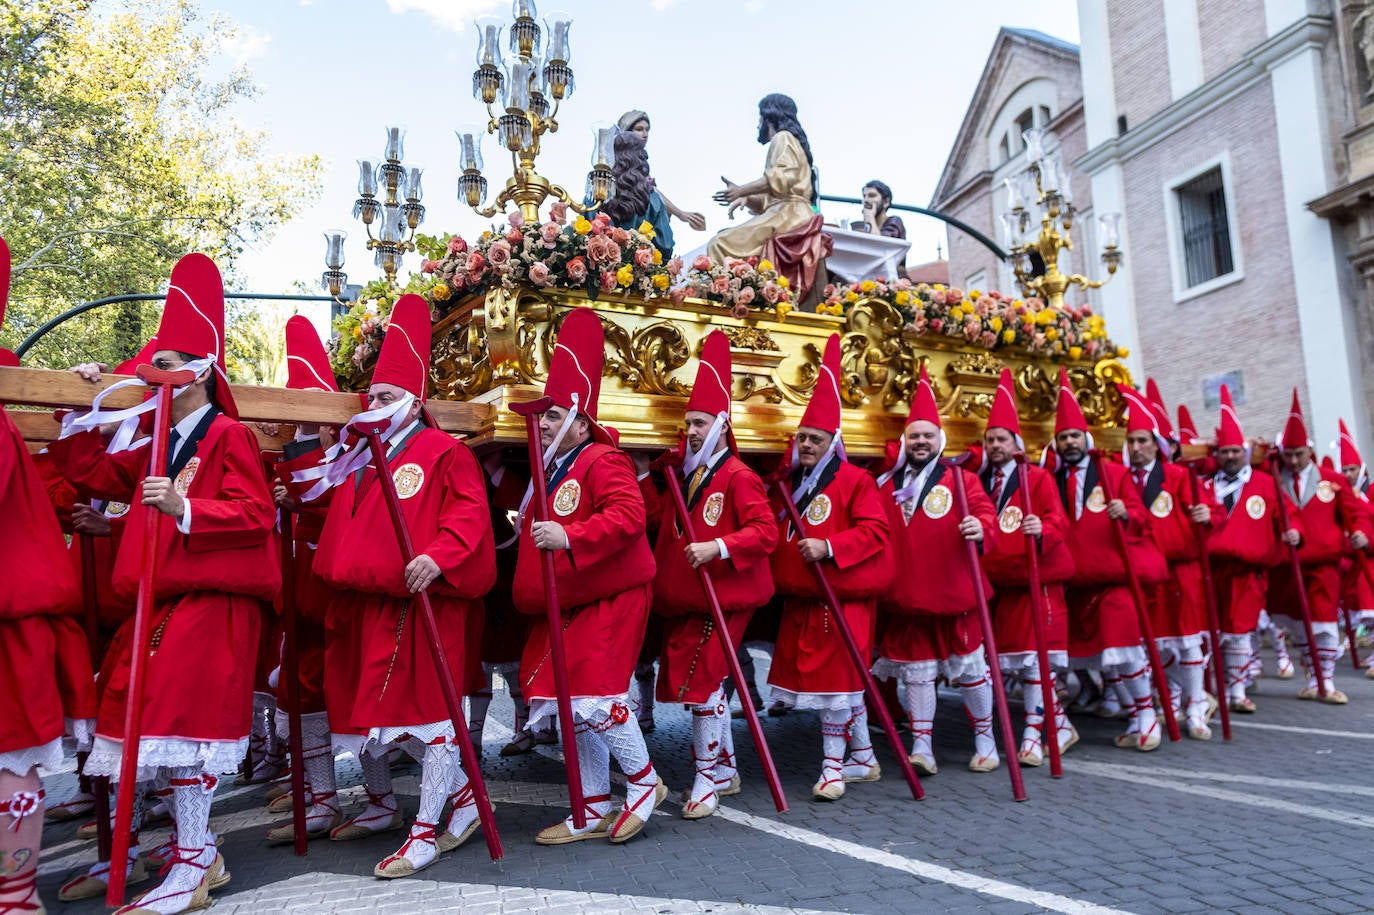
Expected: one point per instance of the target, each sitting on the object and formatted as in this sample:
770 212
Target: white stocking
1033 695
625 742
1235 653
726 770
464 812
976 690
436 777
1136 684
834 736
1173 676
381 802
920 708
707 722
1191 670
1328 647
861 760
594 763
195 850
317 752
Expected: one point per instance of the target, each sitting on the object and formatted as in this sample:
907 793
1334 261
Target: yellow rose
939 287
903 298
851 296
658 257
974 294
1046 316
357 333
868 286
996 324
765 264
1052 333
660 281
582 226
1008 336
784 282
441 292
646 229
968 307
1075 352
625 275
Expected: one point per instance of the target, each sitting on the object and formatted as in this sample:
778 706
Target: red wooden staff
562 692
727 645
1298 581
1213 617
999 689
143 613
290 669
100 787
875 699
1039 616
1147 628
451 698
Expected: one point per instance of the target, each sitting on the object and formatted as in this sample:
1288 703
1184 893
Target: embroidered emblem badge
1096 500
1010 519
819 509
566 499
188 473
1325 491
1255 507
715 505
1162 505
408 479
937 502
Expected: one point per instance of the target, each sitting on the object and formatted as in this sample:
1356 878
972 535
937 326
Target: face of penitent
698 426
811 444
922 440
383 395
999 444
1142 448
552 419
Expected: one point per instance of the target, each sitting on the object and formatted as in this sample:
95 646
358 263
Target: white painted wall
1118 295
1095 60
1183 40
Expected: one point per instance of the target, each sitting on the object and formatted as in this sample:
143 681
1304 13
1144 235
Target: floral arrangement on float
586 255
991 320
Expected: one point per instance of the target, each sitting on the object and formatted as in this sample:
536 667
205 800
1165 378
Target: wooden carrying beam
66 390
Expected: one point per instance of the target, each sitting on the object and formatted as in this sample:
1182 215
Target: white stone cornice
1308 32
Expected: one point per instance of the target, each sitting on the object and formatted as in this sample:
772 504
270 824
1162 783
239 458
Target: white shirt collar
188 424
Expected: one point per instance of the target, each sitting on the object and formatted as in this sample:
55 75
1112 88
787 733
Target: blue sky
881 88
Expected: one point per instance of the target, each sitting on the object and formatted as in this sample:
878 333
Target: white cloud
247 44
453 15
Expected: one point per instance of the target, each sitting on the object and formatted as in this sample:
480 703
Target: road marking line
1268 804
924 869
1293 729
1101 768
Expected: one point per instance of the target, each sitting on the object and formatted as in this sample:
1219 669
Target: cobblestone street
1277 820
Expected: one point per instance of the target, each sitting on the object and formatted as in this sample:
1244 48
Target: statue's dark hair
883 190
632 184
781 112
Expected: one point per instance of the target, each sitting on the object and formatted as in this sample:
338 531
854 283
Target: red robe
1357 594
1329 509
505 631
31 602
1178 605
209 584
1102 613
730 505
603 581
1244 543
1004 560
810 655
933 617
311 597
383 673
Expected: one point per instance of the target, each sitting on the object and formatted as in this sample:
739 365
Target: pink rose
458 282
674 266
740 311
741 269
988 339
576 269
600 223
702 263
498 255
955 294
938 297
971 331
539 273
829 291
456 245
753 261
1090 347
903 283
936 325
516 219
428 266
475 265
558 212
745 295
515 236
368 327
771 292
720 285
619 235
549 233
644 257
607 281
678 294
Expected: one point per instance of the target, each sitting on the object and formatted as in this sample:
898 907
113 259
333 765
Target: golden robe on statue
785 208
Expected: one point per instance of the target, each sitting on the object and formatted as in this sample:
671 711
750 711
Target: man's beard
1072 455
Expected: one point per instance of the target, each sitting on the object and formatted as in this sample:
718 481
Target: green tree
120 152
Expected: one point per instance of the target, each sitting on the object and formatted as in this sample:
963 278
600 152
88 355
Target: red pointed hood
823 412
1327 463
1187 429
711 390
1143 416
1161 412
404 359
1229 434
1069 414
1294 434
1003 414
575 367
307 364
193 319
923 404
1349 453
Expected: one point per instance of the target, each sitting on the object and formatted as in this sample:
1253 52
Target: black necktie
1230 499
172 441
